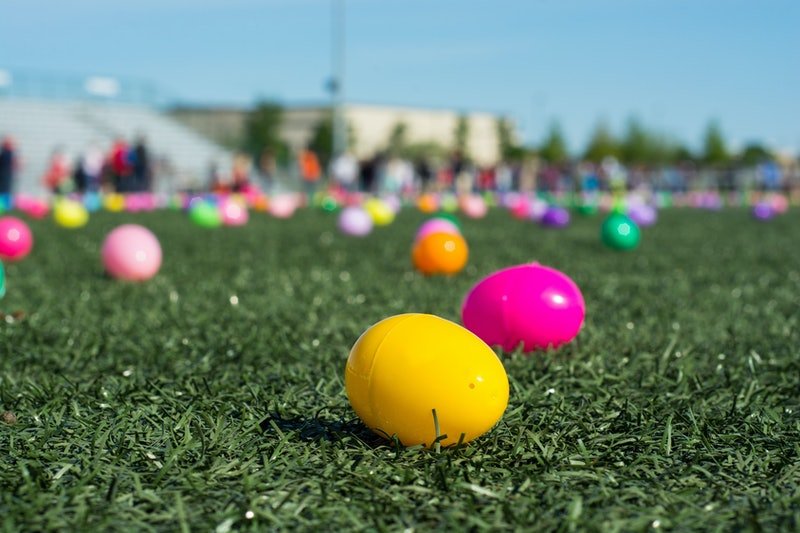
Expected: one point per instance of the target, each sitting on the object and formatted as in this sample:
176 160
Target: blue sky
675 64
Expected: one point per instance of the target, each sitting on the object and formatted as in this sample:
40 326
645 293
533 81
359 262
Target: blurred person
268 167
120 166
392 179
310 170
57 177
405 173
216 182
503 177
770 176
424 172
370 171
240 173
89 170
486 178
141 167
8 166
345 172
465 180
589 179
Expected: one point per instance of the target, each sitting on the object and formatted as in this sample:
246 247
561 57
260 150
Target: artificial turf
212 398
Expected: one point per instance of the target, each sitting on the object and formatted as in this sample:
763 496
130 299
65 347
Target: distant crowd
392 174
128 167
123 168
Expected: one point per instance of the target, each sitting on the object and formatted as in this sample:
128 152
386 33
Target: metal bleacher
39 126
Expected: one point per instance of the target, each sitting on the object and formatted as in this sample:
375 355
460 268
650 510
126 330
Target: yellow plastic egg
114 202
379 211
404 367
70 214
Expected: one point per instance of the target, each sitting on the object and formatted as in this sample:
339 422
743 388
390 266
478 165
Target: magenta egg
530 305
16 239
521 209
234 213
132 253
436 225
355 221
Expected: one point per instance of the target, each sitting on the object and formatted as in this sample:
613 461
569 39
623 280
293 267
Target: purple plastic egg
555 217
530 305
763 211
355 221
643 214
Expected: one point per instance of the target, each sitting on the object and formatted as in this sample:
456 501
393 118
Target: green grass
141 406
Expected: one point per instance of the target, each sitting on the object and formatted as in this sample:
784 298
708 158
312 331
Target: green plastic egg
620 232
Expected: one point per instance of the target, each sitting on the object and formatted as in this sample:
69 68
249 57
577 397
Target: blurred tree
322 138
554 148
262 131
461 135
642 146
430 151
636 146
602 144
397 139
681 154
714 149
509 149
755 153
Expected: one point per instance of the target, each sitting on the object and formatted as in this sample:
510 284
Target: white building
372 125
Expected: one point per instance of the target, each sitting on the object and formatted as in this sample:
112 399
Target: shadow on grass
316 429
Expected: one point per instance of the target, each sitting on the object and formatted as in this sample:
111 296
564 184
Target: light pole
337 80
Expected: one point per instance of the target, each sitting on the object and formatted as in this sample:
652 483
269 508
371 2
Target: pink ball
131 252
474 206
436 225
355 221
16 239
234 213
779 203
282 206
533 305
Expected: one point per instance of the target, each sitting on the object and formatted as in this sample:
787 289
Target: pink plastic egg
131 252
436 225
473 206
779 203
532 305
16 239
234 213
283 206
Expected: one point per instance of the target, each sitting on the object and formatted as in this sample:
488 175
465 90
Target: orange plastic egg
428 203
440 253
